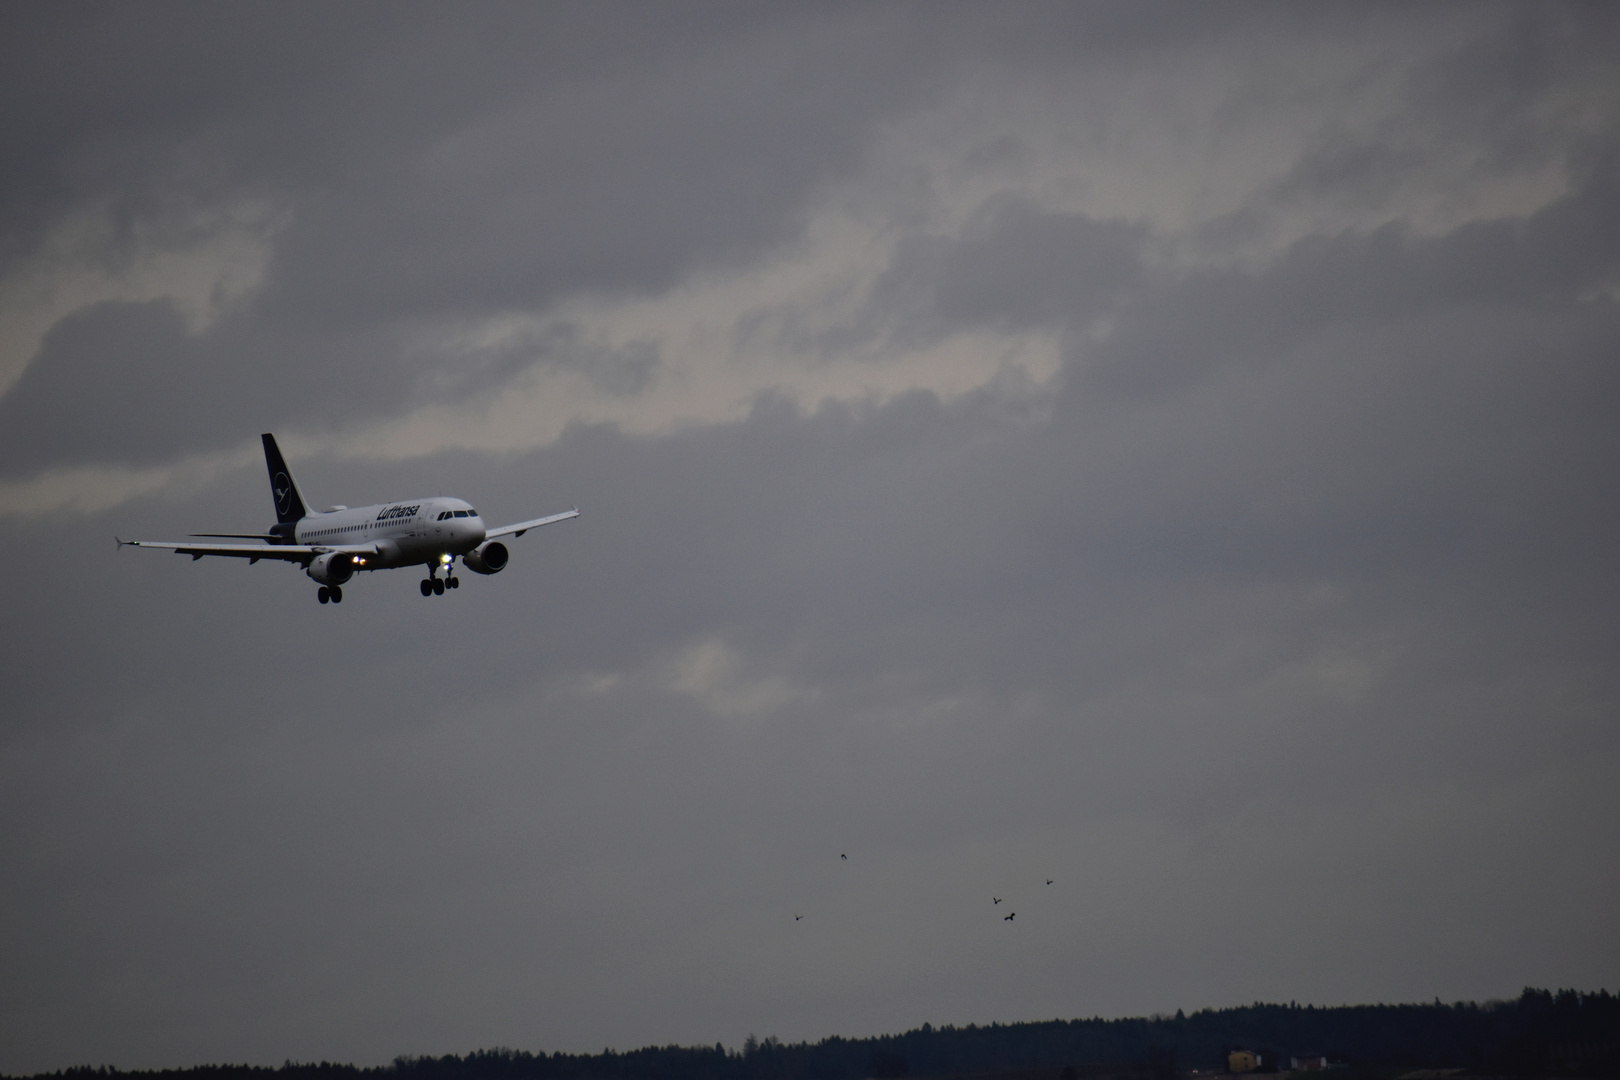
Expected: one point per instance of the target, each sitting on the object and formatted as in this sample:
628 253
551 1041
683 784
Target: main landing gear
332 593
434 586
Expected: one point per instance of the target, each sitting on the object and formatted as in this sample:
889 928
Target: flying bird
1009 917
995 899
796 918
1049 881
843 856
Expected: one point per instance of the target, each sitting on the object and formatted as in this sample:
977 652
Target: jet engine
487 558
333 568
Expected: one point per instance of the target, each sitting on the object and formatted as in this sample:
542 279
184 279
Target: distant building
1242 1061
1308 1062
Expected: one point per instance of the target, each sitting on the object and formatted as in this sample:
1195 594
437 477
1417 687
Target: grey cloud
1015 266
1372 171
1281 625
128 384
1510 83
891 562
443 169
1554 259
119 382
437 167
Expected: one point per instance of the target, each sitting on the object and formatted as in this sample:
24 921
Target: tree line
1540 1033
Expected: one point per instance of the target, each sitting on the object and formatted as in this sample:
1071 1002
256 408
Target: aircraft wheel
323 594
453 583
438 587
337 595
427 587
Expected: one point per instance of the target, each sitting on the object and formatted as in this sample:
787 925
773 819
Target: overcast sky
1171 450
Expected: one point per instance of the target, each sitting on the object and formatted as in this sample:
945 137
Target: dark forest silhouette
1537 1034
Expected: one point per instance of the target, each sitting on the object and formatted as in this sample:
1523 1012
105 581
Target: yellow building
1241 1061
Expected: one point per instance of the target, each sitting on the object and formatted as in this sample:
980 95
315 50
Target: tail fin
289 503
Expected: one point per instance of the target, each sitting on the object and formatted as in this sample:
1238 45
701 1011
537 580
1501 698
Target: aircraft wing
524 526
299 553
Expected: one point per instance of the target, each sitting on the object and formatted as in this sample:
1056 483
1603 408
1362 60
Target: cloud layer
1165 450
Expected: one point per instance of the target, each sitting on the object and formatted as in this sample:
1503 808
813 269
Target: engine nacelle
333 568
487 558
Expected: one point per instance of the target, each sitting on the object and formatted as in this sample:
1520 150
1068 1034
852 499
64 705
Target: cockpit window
461 513
472 513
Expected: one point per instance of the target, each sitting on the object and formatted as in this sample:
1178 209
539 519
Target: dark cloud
1015 266
1508 83
127 383
435 167
1016 587
1278 627
122 376
1548 265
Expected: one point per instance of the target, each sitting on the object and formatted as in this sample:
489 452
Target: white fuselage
407 533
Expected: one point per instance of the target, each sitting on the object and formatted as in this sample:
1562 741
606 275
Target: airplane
333 544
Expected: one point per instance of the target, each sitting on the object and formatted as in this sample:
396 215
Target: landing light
444 558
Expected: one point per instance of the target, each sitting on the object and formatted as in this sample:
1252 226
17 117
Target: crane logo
282 487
